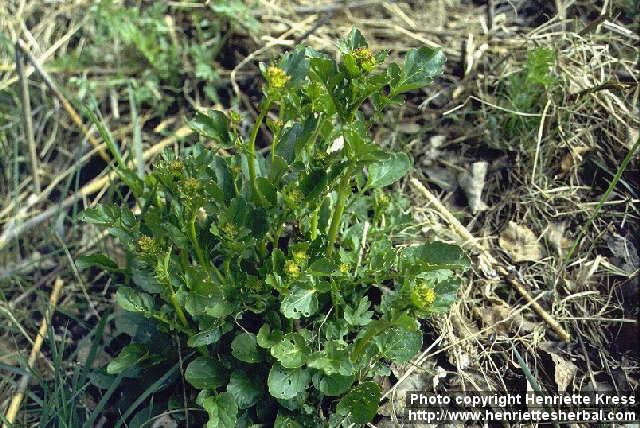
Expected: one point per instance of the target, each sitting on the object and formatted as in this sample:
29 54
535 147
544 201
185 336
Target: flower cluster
423 295
365 60
276 77
148 247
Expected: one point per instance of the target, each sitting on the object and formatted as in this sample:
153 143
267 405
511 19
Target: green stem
252 143
314 224
179 311
603 199
196 244
344 190
210 267
274 143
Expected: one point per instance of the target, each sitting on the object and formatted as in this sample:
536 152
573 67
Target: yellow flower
344 268
176 167
148 246
300 257
190 186
276 77
234 117
293 197
292 269
364 59
229 230
423 296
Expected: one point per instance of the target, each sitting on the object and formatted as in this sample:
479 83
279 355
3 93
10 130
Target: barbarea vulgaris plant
279 270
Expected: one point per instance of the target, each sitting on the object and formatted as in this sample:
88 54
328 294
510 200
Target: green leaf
286 384
222 409
421 66
267 190
245 348
204 338
359 316
129 356
131 179
313 184
399 345
322 267
267 338
352 41
134 301
300 302
296 65
388 171
213 125
205 373
334 385
434 255
224 177
381 255
99 260
333 359
100 214
291 351
245 388
286 422
358 144
361 402
294 139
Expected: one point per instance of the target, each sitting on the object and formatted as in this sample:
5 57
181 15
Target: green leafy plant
280 270
526 91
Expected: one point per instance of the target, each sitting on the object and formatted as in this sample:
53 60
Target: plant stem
252 143
344 189
274 143
603 199
179 311
210 267
314 224
196 244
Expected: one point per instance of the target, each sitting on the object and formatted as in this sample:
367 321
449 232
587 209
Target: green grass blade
605 197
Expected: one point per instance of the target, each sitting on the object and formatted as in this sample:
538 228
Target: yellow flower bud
293 197
423 296
344 268
276 77
176 167
300 257
147 246
291 269
190 186
364 59
229 230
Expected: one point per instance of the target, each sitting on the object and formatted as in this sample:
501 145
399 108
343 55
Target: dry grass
548 177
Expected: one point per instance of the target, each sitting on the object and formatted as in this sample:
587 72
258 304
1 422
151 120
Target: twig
75 117
489 261
94 186
28 121
332 7
12 411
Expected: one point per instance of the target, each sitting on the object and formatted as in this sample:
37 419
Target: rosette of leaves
280 270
